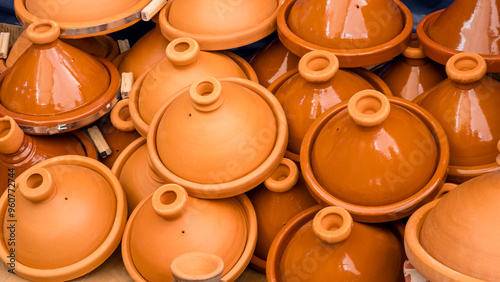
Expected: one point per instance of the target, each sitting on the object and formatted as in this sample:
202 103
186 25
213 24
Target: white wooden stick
4 44
152 8
123 45
126 85
99 141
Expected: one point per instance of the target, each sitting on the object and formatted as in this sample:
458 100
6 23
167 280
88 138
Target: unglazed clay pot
55 87
218 138
317 85
197 267
359 33
71 207
379 158
456 238
278 199
413 73
466 105
219 25
325 244
272 61
170 223
465 26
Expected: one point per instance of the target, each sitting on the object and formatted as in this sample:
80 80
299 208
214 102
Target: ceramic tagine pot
317 85
379 158
277 200
55 87
359 33
466 105
322 244
197 267
230 135
20 152
456 238
183 64
413 73
74 195
465 26
219 25
170 223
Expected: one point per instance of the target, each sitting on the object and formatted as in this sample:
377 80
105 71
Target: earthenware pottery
55 87
82 18
201 267
278 199
170 223
319 244
456 238
230 135
413 73
272 61
133 169
359 33
465 26
466 105
317 85
71 207
99 46
184 63
379 158
18 48
219 25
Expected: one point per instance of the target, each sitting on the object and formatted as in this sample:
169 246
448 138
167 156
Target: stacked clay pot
197 266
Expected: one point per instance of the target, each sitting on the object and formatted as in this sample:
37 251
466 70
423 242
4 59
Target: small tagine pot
278 199
219 25
20 152
466 105
456 238
317 85
413 73
465 26
184 63
319 244
197 267
170 223
71 207
55 87
230 135
379 158
359 33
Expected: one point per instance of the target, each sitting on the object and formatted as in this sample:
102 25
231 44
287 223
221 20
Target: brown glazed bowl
456 238
324 244
170 223
466 105
378 30
55 87
219 25
69 216
379 158
317 85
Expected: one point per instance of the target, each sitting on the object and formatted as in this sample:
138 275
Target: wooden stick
126 85
151 9
99 141
4 44
124 45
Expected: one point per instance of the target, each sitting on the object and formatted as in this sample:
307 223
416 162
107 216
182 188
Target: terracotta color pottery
413 73
278 199
219 25
272 61
71 207
359 33
218 138
466 105
317 85
55 87
20 152
170 223
99 46
456 238
379 158
465 26
201 267
325 244
82 18
184 64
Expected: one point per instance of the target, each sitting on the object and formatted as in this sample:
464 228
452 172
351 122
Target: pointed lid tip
43 32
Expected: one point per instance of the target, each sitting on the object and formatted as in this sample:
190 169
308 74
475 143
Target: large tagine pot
466 105
55 87
69 215
325 244
170 223
314 87
379 158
